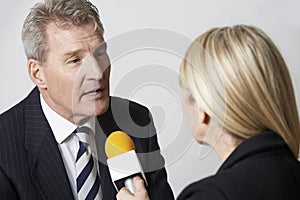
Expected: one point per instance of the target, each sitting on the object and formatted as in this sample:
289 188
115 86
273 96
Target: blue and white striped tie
87 178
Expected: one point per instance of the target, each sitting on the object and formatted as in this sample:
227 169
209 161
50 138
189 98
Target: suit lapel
45 162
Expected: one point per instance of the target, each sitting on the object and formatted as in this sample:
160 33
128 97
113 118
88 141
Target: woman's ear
36 73
204 117
202 126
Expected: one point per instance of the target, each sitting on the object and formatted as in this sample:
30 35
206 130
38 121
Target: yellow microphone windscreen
118 143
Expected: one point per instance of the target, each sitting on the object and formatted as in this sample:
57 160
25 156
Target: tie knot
84 133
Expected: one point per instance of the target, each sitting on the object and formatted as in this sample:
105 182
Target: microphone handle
129 184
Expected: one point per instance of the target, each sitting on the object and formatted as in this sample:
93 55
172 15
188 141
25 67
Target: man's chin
101 110
88 109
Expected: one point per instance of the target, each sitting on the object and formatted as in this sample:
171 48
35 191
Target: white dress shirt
67 141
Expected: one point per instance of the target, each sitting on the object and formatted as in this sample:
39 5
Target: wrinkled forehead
73 38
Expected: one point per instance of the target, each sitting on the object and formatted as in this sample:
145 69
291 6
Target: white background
187 162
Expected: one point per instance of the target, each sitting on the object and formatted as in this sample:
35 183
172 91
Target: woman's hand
139 188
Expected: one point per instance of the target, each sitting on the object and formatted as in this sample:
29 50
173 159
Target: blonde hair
74 12
240 79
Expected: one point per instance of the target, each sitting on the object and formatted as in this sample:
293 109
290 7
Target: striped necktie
87 178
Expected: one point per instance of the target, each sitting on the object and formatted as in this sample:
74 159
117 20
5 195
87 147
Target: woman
240 100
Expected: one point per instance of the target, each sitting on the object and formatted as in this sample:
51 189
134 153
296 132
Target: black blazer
31 166
261 168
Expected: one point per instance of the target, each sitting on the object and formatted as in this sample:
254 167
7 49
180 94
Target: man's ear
36 73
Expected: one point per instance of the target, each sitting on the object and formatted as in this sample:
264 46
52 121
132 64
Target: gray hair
72 12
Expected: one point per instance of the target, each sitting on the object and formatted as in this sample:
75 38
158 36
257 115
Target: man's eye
74 61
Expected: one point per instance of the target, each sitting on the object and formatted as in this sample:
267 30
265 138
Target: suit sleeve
158 186
7 191
136 120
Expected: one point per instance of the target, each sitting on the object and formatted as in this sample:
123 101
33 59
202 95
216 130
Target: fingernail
137 177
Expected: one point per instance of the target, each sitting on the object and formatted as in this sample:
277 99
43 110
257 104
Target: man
52 142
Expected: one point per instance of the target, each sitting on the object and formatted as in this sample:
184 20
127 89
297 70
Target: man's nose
93 69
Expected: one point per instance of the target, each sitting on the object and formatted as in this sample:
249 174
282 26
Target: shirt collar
61 127
90 123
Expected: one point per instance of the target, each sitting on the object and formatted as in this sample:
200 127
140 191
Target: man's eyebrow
72 52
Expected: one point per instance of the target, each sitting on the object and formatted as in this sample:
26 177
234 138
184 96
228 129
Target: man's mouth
94 91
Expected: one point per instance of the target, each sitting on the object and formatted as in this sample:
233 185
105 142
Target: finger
124 194
140 190
138 183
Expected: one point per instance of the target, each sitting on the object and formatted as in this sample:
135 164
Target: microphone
123 163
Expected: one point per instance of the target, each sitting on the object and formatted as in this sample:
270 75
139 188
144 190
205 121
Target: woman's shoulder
265 177
207 188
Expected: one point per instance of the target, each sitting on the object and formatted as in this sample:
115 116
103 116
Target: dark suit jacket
261 168
31 166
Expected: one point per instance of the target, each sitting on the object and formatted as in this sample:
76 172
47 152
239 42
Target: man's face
76 72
